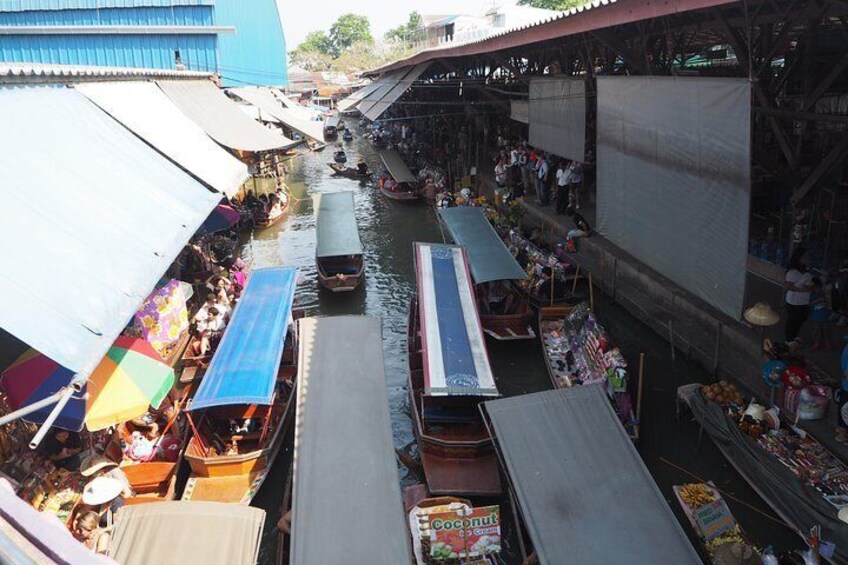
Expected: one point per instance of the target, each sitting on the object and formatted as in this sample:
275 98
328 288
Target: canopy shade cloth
343 415
269 105
130 379
348 103
335 225
99 208
187 532
143 108
381 88
245 366
455 359
219 116
575 473
396 167
489 258
395 92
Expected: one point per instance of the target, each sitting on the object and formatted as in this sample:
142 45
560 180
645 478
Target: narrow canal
670 447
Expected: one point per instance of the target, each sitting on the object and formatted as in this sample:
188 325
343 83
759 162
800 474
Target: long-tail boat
338 251
245 402
405 186
504 311
449 375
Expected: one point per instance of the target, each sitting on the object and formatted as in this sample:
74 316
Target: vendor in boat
99 466
62 448
87 531
103 497
498 299
208 332
362 166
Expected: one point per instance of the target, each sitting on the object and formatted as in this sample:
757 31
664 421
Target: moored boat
504 311
349 172
245 402
399 183
331 127
274 215
338 251
449 375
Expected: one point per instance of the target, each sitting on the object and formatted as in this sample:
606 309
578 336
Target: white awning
219 116
268 104
253 113
381 88
93 218
143 108
395 92
352 100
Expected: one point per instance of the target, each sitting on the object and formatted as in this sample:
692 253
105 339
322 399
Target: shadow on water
387 230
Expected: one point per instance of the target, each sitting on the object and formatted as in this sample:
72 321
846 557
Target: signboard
462 534
714 519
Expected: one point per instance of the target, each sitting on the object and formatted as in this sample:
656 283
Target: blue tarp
489 258
244 368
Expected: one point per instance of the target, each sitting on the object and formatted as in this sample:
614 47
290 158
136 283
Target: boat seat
341 270
444 415
149 477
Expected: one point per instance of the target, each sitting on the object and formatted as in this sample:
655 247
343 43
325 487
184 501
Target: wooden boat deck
478 476
219 489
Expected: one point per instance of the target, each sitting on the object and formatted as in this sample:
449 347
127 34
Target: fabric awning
187 532
343 415
519 110
456 362
143 108
352 100
296 118
94 217
396 167
219 116
255 113
382 87
335 225
245 366
395 92
576 473
489 258
332 121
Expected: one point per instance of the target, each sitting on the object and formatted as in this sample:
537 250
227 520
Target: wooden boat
604 365
340 157
349 172
338 252
504 312
331 127
448 380
241 410
347 135
401 193
405 188
271 219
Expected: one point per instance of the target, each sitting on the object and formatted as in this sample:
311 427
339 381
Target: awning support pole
34 407
76 385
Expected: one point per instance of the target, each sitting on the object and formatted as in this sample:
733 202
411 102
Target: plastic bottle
769 558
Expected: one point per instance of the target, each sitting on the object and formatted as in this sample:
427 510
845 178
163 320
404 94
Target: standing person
520 173
575 183
514 178
798 283
819 315
563 175
530 169
542 180
500 173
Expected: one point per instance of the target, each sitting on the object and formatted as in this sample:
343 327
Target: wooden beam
836 155
611 41
801 116
826 82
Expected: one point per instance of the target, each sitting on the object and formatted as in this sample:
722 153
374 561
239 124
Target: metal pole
34 407
75 386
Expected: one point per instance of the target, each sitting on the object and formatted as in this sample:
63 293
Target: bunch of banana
696 495
732 536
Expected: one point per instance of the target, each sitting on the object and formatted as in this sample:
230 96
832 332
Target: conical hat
761 314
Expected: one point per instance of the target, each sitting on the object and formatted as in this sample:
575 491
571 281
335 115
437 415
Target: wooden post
553 280
639 394
591 294
576 278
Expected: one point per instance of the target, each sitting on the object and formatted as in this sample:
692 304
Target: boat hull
405 196
344 283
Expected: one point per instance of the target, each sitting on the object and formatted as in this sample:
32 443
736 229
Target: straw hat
94 463
736 553
101 490
761 314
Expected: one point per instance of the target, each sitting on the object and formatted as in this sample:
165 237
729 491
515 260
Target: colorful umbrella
223 217
127 381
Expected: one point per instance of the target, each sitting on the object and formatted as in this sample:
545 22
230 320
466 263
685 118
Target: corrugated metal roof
53 5
23 72
569 22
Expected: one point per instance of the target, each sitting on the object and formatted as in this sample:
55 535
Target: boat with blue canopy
504 312
245 401
449 375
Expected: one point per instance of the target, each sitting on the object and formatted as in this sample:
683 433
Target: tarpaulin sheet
489 258
350 512
93 216
187 532
455 359
336 232
295 118
519 110
384 85
245 365
674 172
395 92
799 504
144 109
557 116
582 488
220 117
396 167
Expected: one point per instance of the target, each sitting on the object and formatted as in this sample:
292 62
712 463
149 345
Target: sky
300 17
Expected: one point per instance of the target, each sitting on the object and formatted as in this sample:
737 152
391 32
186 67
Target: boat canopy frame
396 167
336 231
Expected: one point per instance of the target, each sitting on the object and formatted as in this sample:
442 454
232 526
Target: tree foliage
406 32
552 4
349 29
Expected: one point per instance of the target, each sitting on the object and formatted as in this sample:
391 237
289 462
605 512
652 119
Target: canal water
670 446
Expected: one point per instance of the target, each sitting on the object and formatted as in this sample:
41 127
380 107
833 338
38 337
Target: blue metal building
243 46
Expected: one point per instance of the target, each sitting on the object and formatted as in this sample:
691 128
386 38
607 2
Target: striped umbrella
130 379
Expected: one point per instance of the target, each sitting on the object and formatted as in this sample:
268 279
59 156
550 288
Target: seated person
87 531
203 312
362 167
390 184
99 466
62 448
103 497
208 332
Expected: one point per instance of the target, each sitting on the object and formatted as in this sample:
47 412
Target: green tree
316 41
315 53
349 29
552 4
406 32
